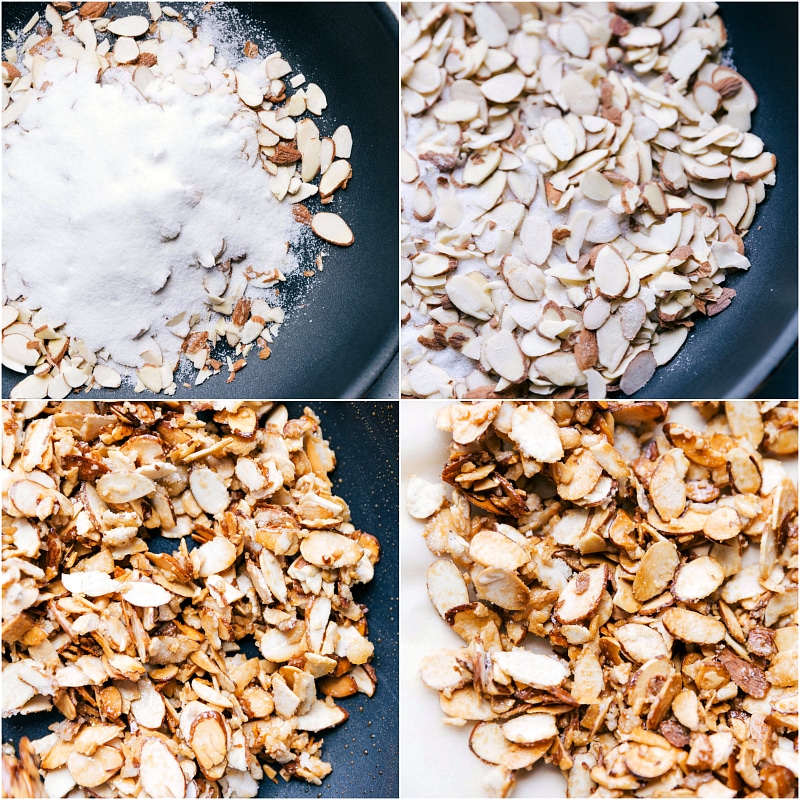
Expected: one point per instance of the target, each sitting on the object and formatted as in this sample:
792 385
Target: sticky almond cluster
142 651
90 39
578 181
658 561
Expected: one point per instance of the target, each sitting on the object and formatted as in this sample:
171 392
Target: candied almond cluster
658 561
142 651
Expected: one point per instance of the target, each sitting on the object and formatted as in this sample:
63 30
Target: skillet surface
343 330
364 750
731 354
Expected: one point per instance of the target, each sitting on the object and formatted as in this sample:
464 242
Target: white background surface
435 758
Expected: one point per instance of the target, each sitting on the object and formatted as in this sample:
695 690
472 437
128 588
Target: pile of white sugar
117 207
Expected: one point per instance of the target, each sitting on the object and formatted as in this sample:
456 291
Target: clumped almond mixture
578 180
659 562
154 180
140 650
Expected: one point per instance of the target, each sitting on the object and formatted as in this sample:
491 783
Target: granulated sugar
117 208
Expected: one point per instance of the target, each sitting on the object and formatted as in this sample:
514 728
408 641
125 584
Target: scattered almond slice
332 228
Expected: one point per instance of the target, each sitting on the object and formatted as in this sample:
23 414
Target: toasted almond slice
502 588
208 489
466 703
584 473
749 677
531 669
489 744
423 498
587 682
698 579
667 488
446 586
159 770
144 594
743 470
649 762
331 550
332 228
123 487
536 433
689 626
210 695
640 642
691 521
444 669
492 548
745 421
94 770
656 570
90 582
129 26
581 597
722 523
213 557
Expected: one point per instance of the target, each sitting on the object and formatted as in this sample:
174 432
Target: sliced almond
129 26
332 228
698 579
489 744
581 596
446 587
336 177
656 570
690 626
531 669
